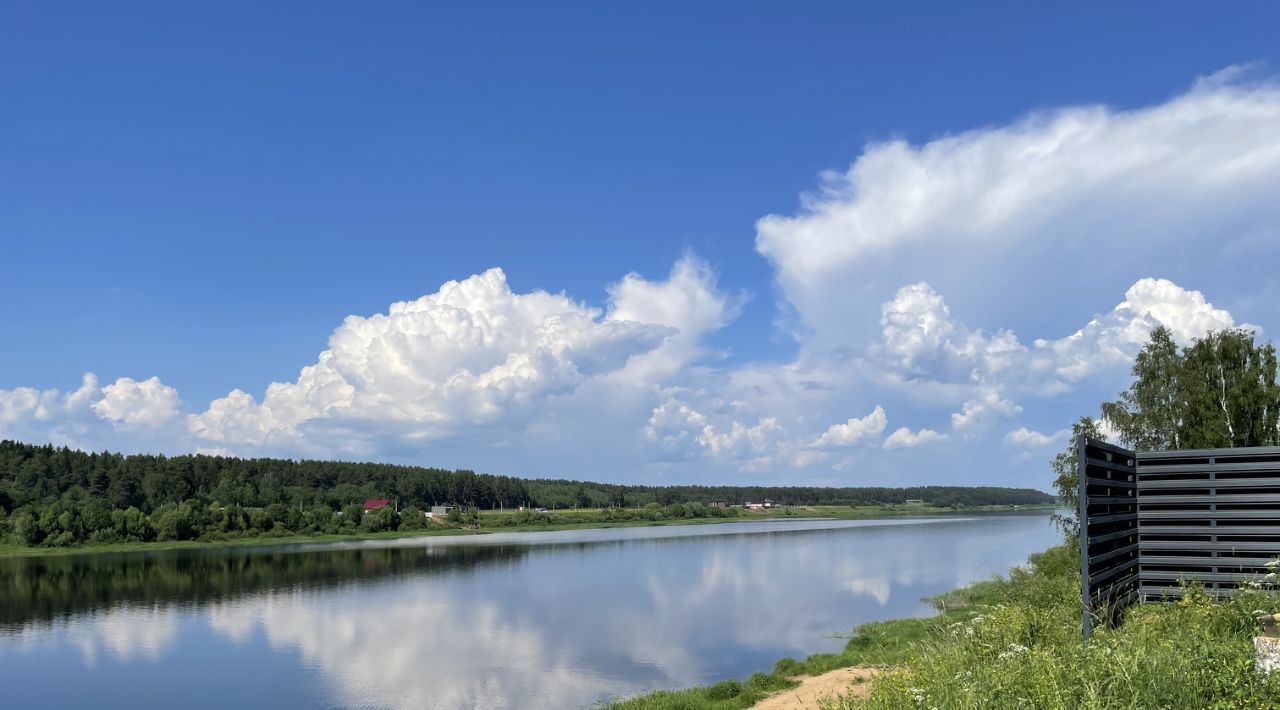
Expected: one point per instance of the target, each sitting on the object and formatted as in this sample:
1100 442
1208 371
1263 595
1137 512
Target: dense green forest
58 496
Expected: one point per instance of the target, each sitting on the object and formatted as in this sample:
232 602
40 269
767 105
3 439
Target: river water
516 620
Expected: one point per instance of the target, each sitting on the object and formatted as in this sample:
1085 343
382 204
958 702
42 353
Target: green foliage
413 519
26 528
1025 650
58 497
177 521
1066 476
131 525
380 520
352 514
1219 392
1232 395
725 695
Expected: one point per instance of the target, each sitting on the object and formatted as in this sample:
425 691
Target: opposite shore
440 530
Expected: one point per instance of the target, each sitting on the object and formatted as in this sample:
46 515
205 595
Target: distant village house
375 503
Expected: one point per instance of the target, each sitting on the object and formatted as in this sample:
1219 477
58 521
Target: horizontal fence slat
1101 577
1165 483
1118 552
1222 498
1116 466
1175 576
1154 561
1111 483
1209 453
1206 468
1204 514
1098 539
1209 546
1112 500
1155 591
1238 530
1104 519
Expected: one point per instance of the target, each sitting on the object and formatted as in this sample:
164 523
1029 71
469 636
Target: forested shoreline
58 497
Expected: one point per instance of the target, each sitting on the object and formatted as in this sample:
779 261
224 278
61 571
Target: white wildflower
1014 650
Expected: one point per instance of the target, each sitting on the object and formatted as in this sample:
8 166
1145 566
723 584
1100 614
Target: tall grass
1025 651
1015 643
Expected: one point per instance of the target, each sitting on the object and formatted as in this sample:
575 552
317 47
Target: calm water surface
535 620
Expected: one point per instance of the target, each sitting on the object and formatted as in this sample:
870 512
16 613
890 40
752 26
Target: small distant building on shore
766 503
375 503
718 504
915 501
440 510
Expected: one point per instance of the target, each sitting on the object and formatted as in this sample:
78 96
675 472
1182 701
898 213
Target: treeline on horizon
60 496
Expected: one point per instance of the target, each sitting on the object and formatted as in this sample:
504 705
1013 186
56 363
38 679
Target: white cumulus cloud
128 401
904 438
1023 219
1116 337
1023 437
921 341
474 353
854 430
975 412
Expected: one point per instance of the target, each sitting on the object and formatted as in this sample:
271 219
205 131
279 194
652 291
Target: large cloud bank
984 287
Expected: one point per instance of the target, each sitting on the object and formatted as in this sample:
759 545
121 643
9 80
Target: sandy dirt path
842 681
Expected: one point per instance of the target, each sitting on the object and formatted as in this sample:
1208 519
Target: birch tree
1218 392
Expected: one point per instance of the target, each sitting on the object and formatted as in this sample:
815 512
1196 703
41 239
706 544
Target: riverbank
1015 642
501 521
880 645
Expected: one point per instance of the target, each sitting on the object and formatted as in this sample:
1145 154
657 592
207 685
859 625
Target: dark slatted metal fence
1207 514
1152 519
1108 529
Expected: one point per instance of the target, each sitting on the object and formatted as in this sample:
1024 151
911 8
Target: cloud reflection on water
558 626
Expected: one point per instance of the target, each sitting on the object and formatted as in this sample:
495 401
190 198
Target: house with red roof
375 503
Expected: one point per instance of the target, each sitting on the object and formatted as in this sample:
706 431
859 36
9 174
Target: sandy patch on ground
842 681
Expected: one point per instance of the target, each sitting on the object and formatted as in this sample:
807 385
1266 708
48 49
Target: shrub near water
1025 651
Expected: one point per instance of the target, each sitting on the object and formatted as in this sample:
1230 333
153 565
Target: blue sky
203 195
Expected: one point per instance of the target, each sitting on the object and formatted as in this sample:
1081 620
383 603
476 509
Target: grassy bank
1015 643
882 643
504 521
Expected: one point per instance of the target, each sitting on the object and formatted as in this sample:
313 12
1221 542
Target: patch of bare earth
842 681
